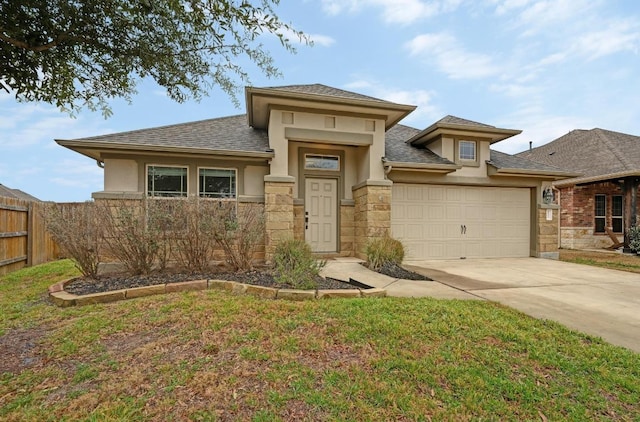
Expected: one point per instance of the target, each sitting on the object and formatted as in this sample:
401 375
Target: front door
321 214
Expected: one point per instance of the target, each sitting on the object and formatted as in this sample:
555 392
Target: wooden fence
24 240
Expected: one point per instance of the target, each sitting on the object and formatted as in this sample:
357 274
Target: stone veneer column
372 212
548 231
278 208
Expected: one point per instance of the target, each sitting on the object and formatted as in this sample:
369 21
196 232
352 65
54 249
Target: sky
545 67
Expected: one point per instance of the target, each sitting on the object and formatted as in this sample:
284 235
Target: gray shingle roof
225 133
500 160
397 149
8 192
460 121
319 89
593 153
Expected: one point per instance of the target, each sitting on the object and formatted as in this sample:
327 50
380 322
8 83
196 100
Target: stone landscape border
64 299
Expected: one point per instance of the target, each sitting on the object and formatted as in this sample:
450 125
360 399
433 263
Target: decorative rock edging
64 299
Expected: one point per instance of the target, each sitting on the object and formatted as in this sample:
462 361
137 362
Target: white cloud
322 40
425 113
451 58
34 124
618 37
401 12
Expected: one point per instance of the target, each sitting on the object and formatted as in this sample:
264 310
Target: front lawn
611 260
210 355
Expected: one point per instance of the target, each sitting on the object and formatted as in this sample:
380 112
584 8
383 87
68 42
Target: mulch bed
396 271
84 286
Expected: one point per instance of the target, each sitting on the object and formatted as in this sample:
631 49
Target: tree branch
26 46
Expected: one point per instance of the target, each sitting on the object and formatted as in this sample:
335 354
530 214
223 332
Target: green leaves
81 54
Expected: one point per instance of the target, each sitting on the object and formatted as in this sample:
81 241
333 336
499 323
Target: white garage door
444 222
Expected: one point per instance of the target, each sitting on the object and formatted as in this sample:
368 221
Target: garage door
445 222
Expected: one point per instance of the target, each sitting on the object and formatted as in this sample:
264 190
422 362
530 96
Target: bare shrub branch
74 228
195 240
128 237
240 233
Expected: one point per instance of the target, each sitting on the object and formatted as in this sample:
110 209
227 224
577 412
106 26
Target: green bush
634 238
384 250
295 264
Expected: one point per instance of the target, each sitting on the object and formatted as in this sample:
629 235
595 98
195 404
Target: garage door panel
428 219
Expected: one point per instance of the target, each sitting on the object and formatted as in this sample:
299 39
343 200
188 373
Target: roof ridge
613 148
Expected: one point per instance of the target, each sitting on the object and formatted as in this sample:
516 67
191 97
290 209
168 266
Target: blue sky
545 67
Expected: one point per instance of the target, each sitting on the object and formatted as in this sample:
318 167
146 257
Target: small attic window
467 150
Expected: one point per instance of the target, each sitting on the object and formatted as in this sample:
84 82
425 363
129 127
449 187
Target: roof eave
77 145
437 129
492 170
251 92
599 178
423 167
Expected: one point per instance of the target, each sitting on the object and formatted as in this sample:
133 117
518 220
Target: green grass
214 356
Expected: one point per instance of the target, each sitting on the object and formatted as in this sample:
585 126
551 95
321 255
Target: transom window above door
166 181
321 162
216 183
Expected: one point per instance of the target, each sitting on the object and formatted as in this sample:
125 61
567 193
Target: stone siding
347 230
548 232
279 215
372 214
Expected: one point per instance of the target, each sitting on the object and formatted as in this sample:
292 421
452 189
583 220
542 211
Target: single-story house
603 199
336 168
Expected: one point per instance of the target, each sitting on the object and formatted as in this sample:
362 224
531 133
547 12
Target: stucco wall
129 175
120 175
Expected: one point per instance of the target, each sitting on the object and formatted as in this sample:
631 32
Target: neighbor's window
217 183
600 213
164 181
321 162
616 214
467 150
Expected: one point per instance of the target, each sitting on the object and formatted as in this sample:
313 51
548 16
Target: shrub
129 238
295 264
194 233
634 238
239 233
74 228
382 251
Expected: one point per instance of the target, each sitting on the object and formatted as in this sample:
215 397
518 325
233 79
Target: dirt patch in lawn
84 285
20 349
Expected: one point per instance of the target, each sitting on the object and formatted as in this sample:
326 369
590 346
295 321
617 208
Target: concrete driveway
593 300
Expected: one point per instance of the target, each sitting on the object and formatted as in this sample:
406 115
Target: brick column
548 231
372 212
278 208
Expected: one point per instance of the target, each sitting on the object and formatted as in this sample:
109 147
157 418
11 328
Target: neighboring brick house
336 169
604 197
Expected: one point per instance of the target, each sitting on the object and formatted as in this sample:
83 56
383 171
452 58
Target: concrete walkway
597 301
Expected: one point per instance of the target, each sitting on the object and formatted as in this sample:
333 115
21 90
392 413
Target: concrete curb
64 299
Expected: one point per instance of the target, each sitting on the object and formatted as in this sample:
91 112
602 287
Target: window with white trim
600 213
617 214
321 162
467 150
216 183
167 181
